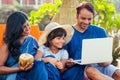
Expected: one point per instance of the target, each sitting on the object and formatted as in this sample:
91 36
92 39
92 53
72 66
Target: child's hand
59 64
53 61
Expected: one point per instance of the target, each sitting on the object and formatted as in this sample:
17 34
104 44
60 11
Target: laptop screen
96 50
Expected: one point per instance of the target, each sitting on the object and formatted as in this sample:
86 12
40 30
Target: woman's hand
26 67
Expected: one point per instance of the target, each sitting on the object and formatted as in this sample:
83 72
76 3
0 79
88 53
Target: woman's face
58 42
26 29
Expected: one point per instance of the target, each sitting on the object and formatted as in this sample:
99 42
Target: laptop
96 50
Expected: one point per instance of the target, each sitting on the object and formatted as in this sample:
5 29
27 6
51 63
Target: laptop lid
96 50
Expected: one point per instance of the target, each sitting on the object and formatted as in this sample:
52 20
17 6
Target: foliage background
44 14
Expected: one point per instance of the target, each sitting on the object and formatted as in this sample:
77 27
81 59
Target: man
84 30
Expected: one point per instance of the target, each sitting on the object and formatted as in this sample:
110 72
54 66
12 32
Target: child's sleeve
64 54
41 49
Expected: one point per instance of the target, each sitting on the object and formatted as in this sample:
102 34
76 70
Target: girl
52 50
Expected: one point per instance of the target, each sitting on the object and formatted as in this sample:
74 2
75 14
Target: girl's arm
46 60
63 67
53 61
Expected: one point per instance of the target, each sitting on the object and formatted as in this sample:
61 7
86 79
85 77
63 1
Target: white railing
36 5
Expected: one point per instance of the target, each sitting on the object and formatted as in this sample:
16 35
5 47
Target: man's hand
69 62
104 64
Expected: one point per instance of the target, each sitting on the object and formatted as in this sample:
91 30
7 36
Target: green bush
44 14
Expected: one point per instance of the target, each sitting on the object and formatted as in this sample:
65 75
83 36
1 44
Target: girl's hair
59 32
14 29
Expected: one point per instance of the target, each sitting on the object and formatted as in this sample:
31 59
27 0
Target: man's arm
104 63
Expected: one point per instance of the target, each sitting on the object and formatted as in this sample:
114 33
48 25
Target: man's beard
83 26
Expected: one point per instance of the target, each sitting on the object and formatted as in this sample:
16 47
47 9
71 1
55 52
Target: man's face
84 19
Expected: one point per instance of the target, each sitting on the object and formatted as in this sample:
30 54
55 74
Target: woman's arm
38 54
7 70
3 54
3 58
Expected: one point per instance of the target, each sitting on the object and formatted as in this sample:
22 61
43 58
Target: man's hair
85 5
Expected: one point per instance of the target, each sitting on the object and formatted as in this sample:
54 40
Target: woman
17 41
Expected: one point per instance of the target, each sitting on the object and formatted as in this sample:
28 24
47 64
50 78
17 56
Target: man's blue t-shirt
74 47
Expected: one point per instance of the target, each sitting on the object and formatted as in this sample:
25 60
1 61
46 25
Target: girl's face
26 29
58 42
